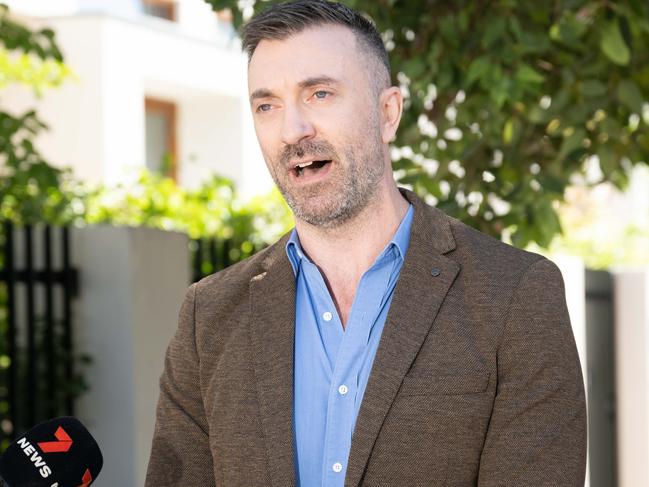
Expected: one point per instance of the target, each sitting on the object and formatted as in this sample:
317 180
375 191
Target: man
381 343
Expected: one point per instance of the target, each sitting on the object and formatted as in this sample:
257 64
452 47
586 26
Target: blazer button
435 272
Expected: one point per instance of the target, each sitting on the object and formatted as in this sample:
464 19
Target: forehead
329 50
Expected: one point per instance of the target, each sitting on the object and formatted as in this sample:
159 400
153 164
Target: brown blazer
476 380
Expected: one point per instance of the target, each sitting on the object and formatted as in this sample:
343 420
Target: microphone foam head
56 453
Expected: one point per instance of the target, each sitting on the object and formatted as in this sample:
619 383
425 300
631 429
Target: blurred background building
157 84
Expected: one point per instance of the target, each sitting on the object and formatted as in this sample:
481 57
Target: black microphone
56 453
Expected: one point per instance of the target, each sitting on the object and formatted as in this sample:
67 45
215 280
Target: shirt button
327 316
337 467
343 390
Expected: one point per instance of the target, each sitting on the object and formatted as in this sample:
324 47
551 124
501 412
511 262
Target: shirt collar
294 251
400 240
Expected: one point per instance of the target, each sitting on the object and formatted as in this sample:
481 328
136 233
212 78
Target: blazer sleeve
537 431
180 454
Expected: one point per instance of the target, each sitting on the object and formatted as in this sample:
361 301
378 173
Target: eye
321 94
264 107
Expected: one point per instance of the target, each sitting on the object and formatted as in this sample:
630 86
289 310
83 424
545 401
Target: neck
350 248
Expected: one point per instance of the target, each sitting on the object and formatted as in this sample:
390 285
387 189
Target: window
165 9
224 15
160 128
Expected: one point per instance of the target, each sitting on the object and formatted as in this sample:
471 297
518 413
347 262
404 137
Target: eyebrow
317 80
307 83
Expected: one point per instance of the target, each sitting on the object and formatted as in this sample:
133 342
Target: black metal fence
38 379
37 286
600 378
210 255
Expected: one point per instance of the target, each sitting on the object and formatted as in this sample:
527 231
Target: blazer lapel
424 281
272 297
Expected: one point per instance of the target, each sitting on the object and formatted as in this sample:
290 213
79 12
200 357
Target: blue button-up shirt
332 365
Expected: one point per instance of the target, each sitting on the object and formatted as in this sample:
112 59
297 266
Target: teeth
305 164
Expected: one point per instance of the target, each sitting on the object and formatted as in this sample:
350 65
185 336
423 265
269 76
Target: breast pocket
445 384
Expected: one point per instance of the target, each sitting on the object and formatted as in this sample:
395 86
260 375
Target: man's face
316 115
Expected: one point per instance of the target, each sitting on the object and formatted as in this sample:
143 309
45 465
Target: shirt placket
342 393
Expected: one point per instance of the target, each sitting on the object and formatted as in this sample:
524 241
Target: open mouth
309 168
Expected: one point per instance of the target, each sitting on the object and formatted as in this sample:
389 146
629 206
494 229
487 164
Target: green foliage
27 70
31 190
18 38
213 209
506 101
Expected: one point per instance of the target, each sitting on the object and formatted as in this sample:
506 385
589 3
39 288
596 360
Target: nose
295 126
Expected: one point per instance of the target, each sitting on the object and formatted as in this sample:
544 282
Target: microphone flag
56 453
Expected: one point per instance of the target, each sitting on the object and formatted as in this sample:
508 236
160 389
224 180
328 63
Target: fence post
601 379
11 321
573 272
132 282
631 291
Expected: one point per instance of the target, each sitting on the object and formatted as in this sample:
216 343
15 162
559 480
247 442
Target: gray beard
350 192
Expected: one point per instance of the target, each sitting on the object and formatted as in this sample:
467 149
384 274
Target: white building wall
631 291
119 58
123 101
203 148
574 280
132 282
43 8
124 8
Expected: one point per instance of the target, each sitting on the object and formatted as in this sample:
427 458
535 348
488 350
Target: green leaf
414 68
551 183
508 132
526 74
571 143
548 222
591 88
568 30
534 42
607 159
448 30
515 27
501 89
612 127
478 68
613 44
629 94
521 237
496 31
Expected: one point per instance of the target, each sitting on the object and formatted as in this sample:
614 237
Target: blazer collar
429 223
272 324
425 278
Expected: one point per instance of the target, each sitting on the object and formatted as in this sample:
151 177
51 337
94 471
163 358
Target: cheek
343 127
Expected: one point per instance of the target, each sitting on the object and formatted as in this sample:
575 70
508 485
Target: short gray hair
283 20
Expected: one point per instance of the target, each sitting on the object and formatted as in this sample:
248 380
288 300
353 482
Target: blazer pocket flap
445 384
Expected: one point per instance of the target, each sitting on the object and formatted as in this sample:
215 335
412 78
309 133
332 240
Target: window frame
169 111
169 7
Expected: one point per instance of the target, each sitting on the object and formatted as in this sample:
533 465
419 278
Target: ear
391 106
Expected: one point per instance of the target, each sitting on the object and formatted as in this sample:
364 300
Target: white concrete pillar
574 278
132 282
631 291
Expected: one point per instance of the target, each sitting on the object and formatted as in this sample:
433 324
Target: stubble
350 187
